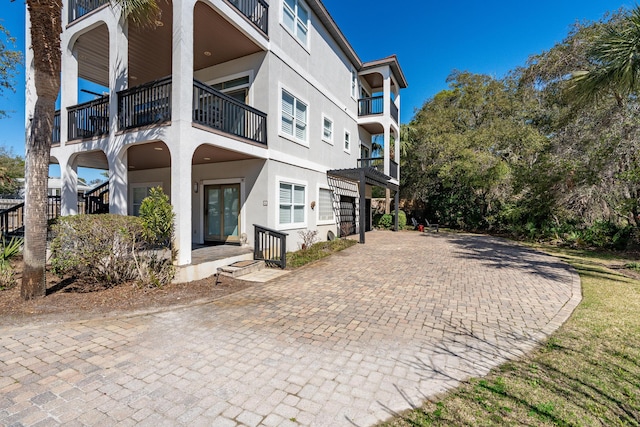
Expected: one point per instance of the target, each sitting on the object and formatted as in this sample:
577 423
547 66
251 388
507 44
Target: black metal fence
89 119
270 246
372 162
216 110
96 201
257 11
79 8
144 105
394 111
12 219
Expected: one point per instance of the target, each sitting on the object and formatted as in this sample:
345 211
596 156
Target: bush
402 220
109 250
387 221
156 214
309 237
383 221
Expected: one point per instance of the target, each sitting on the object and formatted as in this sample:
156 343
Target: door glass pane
213 212
231 206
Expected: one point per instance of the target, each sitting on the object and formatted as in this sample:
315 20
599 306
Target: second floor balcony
255 11
374 105
150 104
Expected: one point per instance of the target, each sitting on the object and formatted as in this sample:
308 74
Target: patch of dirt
71 300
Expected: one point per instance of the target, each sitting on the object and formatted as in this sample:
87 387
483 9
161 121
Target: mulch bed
69 300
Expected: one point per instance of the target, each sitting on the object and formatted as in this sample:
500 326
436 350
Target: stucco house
247 113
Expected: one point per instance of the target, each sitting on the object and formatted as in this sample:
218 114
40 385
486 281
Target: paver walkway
345 341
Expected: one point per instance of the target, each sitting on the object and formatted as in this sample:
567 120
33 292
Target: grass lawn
586 374
316 251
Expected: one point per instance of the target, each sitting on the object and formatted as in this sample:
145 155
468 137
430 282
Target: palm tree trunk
45 17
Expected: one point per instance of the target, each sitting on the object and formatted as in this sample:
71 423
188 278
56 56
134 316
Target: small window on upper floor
295 17
327 130
347 141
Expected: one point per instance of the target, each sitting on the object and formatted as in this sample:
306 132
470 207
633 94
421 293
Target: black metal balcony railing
88 119
216 110
55 137
394 111
257 11
144 105
378 164
375 105
370 106
393 169
372 162
79 8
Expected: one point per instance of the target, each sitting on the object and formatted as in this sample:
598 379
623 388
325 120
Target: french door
222 213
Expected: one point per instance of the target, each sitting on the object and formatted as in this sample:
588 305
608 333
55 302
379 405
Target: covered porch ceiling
216 41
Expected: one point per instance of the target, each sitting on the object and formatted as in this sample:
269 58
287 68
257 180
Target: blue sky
430 37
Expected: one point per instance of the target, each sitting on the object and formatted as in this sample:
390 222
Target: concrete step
241 268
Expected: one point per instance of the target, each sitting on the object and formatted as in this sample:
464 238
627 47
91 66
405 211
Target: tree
9 62
614 56
46 26
11 167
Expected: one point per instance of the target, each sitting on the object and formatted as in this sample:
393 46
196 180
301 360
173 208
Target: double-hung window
295 16
347 141
294 117
327 130
291 204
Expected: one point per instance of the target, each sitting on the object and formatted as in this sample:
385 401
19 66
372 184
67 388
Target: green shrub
156 214
108 250
402 219
384 221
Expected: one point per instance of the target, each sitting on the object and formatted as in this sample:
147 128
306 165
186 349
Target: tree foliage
10 60
550 149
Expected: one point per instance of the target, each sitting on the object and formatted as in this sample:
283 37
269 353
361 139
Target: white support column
118 182
69 191
68 89
118 69
181 117
386 120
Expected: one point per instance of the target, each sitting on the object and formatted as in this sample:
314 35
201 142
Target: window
347 141
138 193
364 151
294 117
295 17
291 203
325 205
327 130
354 83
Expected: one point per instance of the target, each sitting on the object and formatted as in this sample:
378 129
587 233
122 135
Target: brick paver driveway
345 341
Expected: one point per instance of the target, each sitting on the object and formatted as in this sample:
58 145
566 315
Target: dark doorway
347 216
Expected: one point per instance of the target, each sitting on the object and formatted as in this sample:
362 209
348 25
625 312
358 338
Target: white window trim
344 137
292 33
140 185
227 78
333 130
294 225
332 221
304 143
